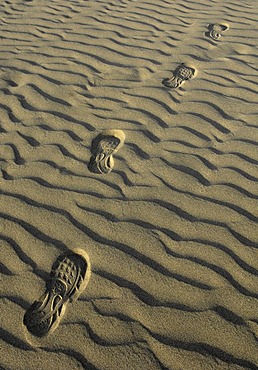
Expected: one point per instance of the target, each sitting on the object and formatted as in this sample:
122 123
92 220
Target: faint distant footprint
102 148
181 74
215 31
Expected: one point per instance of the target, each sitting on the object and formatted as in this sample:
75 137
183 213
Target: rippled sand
171 232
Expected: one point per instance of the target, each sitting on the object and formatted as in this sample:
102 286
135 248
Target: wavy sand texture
172 231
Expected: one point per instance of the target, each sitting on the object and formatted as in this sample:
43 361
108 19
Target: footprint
102 148
181 74
69 277
215 31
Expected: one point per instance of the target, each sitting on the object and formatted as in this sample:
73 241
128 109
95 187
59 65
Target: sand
171 231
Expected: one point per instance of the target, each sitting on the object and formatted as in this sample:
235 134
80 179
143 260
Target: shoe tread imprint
65 284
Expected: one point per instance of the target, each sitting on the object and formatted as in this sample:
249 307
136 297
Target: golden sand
171 230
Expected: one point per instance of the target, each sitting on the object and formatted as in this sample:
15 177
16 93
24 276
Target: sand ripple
172 230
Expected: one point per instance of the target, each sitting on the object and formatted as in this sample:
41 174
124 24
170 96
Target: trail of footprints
39 320
107 143
103 147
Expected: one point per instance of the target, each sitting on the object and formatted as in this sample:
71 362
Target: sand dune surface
170 221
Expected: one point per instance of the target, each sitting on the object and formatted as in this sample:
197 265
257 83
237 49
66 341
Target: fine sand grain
171 231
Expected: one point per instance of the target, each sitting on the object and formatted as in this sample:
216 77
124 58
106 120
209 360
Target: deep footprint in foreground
215 31
102 148
181 74
69 277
